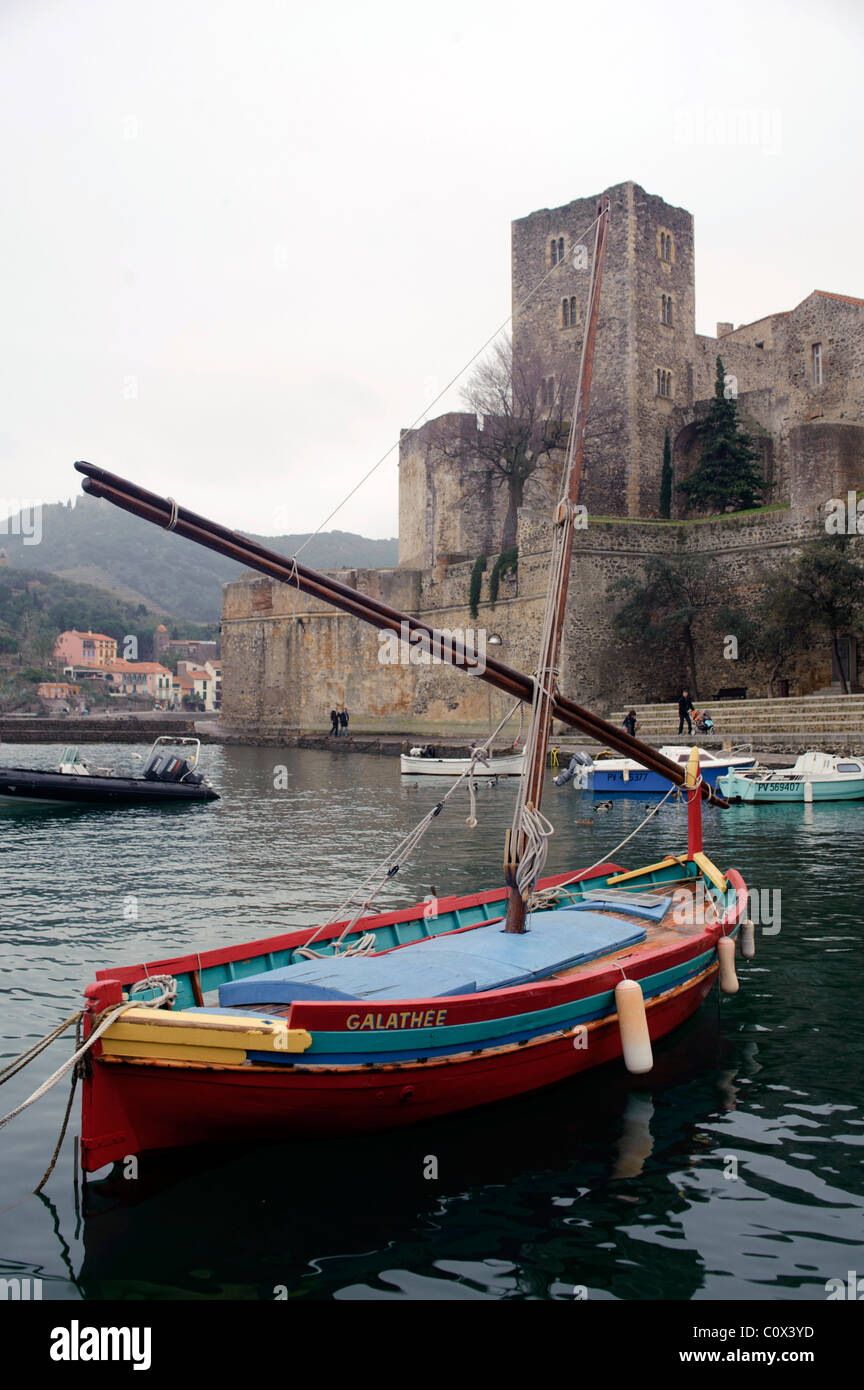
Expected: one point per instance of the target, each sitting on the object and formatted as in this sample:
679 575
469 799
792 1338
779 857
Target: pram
703 721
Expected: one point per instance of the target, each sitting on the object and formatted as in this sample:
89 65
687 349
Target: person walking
630 723
334 723
685 704
343 720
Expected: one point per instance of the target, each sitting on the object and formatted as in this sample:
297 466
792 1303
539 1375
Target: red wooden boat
402 1016
306 1066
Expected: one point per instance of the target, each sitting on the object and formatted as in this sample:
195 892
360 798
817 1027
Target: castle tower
645 334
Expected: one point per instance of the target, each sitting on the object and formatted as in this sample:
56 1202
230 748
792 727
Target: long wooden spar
163 512
530 797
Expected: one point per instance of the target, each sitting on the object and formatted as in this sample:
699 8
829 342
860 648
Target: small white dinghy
419 762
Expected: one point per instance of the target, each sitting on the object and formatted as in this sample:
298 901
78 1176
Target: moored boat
448 1013
628 777
422 764
378 1020
167 778
815 776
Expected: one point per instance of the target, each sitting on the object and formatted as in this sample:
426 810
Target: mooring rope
169 992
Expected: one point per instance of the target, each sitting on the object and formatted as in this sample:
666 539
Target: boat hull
640 781
754 791
156 1107
200 1074
452 767
23 786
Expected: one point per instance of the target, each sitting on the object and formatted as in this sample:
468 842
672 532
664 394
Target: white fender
633 1026
726 957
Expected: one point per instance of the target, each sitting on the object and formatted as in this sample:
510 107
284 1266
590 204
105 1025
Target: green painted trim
399 1039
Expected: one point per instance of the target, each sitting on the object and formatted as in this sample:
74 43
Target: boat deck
612 926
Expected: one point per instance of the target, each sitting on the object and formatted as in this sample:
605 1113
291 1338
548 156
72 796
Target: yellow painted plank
718 879
648 869
213 1030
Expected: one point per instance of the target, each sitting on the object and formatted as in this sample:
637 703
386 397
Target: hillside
95 539
35 605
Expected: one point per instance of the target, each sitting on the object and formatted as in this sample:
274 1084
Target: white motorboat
814 777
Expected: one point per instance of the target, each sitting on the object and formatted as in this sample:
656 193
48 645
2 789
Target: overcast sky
244 243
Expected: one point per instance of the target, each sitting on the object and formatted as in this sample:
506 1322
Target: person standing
334 723
685 704
630 723
343 720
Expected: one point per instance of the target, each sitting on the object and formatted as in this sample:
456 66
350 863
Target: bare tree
523 417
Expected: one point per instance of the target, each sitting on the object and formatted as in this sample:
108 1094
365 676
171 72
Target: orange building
76 648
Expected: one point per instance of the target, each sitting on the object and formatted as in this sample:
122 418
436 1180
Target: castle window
569 312
817 364
560 248
666 309
664 382
665 246
556 250
547 392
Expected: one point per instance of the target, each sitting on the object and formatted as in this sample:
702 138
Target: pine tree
727 474
666 479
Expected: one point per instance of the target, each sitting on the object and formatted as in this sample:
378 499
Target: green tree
817 595
666 479
826 594
727 475
658 614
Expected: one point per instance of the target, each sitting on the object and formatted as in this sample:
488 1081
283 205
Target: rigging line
519 305
386 868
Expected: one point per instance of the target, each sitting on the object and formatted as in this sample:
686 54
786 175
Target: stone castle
799 379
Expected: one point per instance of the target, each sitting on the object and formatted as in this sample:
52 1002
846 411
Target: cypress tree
727 474
666 479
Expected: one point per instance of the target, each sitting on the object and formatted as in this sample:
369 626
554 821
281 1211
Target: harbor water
732 1171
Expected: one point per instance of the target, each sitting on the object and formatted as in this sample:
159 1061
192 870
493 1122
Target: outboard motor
577 768
171 771
151 771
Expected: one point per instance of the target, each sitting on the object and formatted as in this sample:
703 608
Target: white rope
169 992
390 866
537 831
172 519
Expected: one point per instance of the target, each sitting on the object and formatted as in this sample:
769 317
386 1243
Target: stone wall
287 660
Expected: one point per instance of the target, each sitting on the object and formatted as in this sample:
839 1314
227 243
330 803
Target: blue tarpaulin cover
467 962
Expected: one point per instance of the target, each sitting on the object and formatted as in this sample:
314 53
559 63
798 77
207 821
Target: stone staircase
831 722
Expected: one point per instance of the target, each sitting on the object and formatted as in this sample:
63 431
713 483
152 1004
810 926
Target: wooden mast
167 515
530 796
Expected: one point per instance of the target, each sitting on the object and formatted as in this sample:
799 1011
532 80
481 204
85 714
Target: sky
244 243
